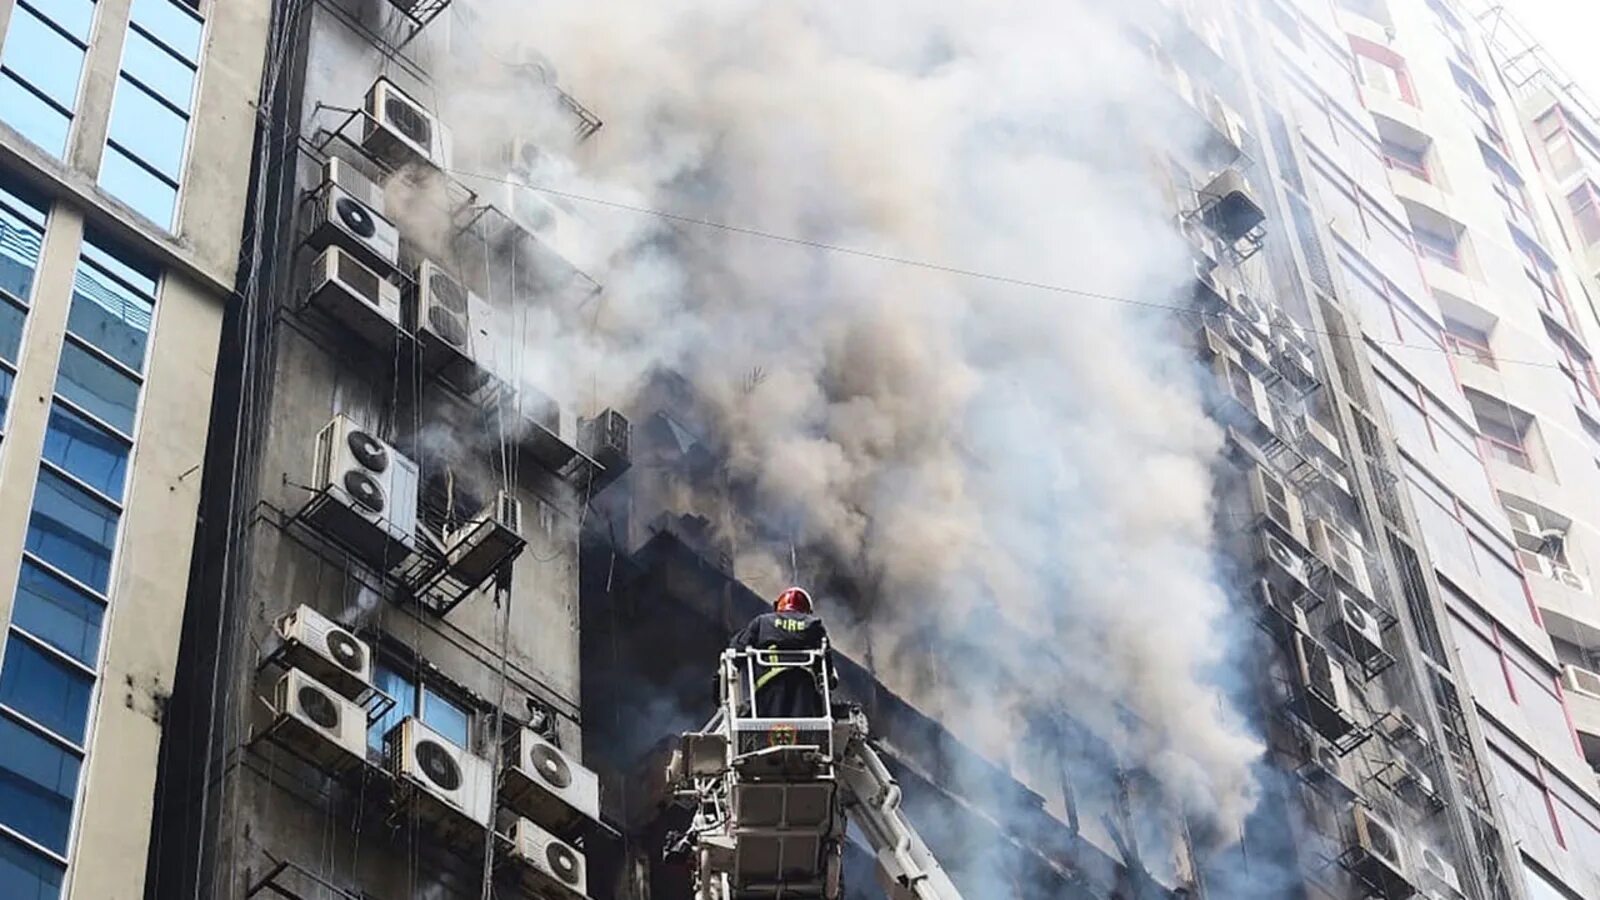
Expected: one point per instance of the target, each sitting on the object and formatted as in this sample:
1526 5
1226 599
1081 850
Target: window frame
31 7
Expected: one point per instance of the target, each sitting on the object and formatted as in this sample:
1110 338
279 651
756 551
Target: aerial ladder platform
772 797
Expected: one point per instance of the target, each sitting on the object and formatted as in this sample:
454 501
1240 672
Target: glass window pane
75 17
444 717
174 26
157 69
57 613
405 703
19 254
6 378
127 181
147 129
28 874
45 689
33 118
142 278
38 780
41 56
72 531
92 384
11 319
109 316
96 457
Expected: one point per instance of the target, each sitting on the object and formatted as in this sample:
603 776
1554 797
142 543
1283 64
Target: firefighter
786 692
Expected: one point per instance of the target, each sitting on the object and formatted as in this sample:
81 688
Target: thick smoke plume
1017 478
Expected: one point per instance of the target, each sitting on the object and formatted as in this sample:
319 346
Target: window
1541 273
1509 188
1578 367
40 67
52 649
21 237
1442 248
1465 340
450 719
1405 159
150 113
1505 430
1478 103
1383 70
1582 203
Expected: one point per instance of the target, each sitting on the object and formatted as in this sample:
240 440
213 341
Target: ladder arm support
872 798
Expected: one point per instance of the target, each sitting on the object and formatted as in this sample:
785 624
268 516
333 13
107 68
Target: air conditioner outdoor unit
604 439
1569 578
1209 291
340 216
1254 313
456 329
546 785
326 650
1282 563
366 493
1357 629
477 549
446 785
319 723
1325 769
1381 857
1200 242
1438 875
1341 554
355 295
1413 780
399 130
1311 431
1231 209
1295 361
1256 357
1581 681
1246 389
547 866
1272 499
1325 695
1213 342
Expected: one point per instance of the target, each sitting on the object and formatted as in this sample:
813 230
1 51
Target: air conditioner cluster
352 277
365 494
551 793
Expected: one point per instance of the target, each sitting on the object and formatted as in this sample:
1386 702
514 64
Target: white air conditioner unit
445 784
477 549
1295 361
399 130
1581 681
1569 578
317 722
1437 875
1246 389
1322 675
1200 241
1331 474
1253 312
1316 437
1342 555
1324 768
1256 356
458 331
1356 629
355 295
339 216
1209 290
1272 499
1413 781
1381 860
366 493
1282 563
327 650
1399 727
354 182
546 785
547 867
605 439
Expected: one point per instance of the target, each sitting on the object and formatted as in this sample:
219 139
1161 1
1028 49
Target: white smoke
1018 477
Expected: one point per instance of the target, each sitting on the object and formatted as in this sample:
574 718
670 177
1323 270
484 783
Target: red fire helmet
793 600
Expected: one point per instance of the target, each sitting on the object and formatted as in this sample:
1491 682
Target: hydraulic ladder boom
872 801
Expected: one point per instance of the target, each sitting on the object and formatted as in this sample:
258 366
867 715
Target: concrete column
93 118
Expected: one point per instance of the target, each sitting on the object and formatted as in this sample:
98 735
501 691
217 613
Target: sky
1568 29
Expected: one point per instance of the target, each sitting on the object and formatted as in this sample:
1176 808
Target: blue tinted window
19 253
32 117
404 693
38 780
6 380
43 57
75 17
72 531
45 688
121 265
109 315
11 318
102 389
150 195
57 613
169 77
93 455
147 129
171 24
28 874
444 717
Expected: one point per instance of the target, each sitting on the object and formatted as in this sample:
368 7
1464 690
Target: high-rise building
449 608
125 136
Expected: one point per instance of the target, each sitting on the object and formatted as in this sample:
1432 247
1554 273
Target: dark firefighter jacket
781 692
